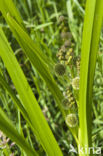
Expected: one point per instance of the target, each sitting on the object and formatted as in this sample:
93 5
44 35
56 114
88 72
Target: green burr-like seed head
71 120
60 69
61 19
75 83
66 103
67 43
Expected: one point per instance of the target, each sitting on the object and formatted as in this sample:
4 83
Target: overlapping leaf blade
31 49
8 128
30 104
91 33
11 93
8 6
98 18
34 56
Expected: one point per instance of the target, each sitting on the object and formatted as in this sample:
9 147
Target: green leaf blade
91 34
8 128
30 104
35 56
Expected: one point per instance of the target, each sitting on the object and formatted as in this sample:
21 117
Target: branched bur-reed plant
75 103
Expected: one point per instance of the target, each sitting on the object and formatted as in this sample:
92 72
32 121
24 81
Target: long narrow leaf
8 128
30 104
87 35
98 18
17 102
11 93
31 51
8 6
91 33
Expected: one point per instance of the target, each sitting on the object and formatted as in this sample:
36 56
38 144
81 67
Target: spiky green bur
66 35
67 43
75 83
60 69
61 19
66 103
71 120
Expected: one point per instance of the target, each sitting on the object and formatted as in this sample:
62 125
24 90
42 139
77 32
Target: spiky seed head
66 35
63 49
66 103
61 19
60 69
63 35
67 43
75 83
71 120
69 35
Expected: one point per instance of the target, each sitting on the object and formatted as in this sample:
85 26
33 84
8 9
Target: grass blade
28 99
8 6
31 50
8 128
90 42
15 99
92 63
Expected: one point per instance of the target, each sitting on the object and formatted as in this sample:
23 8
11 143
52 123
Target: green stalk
91 35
